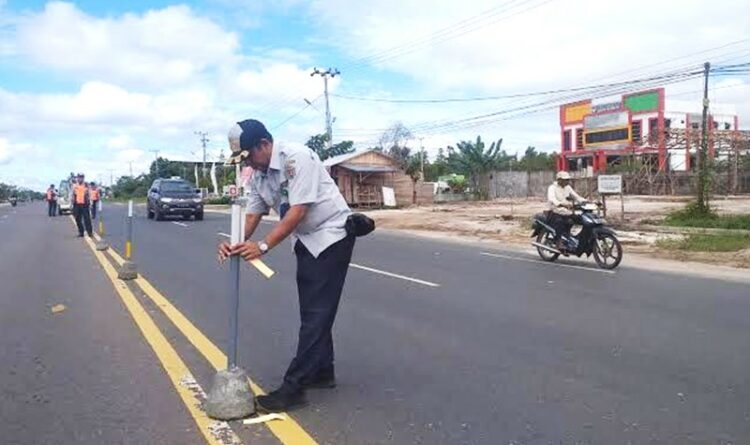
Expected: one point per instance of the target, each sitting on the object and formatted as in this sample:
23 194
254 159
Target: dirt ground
508 221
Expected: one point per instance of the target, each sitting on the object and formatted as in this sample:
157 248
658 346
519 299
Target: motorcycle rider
561 198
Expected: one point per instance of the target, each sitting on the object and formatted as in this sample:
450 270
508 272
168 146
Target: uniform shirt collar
275 163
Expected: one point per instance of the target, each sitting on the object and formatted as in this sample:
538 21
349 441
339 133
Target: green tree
434 170
402 155
535 161
476 160
319 144
413 168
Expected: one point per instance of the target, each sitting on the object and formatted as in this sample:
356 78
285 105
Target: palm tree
475 161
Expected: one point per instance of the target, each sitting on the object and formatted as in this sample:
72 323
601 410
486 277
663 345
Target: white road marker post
128 270
230 397
101 244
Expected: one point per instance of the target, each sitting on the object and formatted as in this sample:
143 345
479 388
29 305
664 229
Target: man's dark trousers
94 205
319 284
51 207
81 211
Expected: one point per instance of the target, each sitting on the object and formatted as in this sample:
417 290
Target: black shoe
80 235
283 399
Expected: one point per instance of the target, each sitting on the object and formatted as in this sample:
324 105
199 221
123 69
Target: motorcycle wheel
546 239
607 251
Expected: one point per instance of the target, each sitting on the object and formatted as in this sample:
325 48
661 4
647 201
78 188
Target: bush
224 200
457 184
692 216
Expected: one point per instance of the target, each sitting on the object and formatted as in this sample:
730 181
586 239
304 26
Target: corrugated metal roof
369 168
336 160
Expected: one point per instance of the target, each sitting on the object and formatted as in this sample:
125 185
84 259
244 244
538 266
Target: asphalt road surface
436 343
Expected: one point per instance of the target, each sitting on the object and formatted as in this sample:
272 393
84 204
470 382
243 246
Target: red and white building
596 133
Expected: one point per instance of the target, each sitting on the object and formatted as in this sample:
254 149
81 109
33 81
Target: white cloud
159 48
100 105
556 43
5 155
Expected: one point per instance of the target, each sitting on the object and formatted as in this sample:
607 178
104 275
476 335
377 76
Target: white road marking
226 235
528 260
180 224
393 275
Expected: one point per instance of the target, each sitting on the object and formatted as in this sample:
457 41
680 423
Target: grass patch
708 243
690 216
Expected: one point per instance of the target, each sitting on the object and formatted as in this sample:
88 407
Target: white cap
563 175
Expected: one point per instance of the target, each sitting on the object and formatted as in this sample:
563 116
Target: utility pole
421 155
330 72
204 141
703 175
111 177
131 168
156 161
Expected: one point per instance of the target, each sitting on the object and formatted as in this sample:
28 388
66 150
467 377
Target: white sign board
389 197
233 191
609 184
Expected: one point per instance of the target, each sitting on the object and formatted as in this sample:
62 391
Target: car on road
63 198
174 197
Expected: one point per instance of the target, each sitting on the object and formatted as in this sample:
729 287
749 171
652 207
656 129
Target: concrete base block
128 271
230 397
101 245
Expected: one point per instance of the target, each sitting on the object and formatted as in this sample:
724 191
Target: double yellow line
288 431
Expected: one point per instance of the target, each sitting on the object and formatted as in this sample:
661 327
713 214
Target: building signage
609 184
604 107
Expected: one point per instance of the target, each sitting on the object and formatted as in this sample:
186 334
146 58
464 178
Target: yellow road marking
215 433
288 431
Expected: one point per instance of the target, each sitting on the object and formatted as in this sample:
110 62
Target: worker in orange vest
81 200
51 199
95 196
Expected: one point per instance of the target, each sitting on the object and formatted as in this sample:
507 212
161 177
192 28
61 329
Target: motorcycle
593 238
13 201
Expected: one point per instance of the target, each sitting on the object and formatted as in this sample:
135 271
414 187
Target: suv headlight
198 200
166 200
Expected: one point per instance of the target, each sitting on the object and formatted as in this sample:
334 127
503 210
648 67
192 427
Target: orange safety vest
79 193
94 193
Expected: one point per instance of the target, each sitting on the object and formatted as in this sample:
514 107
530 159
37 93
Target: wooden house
361 177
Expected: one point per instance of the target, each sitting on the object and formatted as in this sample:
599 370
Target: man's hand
248 250
225 250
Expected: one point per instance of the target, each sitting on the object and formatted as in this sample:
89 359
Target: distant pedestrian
294 182
79 197
95 196
51 198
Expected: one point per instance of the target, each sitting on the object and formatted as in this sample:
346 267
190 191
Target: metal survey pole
234 284
101 245
230 396
101 217
129 239
128 270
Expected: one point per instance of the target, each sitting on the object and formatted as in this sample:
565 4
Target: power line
448 33
288 119
465 26
596 91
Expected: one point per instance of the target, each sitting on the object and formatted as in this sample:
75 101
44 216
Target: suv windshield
176 186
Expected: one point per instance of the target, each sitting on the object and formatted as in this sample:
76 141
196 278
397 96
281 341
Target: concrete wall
505 184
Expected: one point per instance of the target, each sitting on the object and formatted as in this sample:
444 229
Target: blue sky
94 86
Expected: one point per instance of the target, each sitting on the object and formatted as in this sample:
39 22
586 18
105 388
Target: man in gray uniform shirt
294 182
